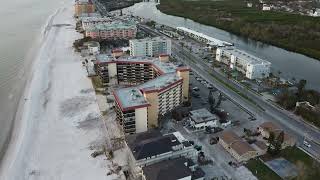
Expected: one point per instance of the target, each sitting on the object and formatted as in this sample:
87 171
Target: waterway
23 24
289 64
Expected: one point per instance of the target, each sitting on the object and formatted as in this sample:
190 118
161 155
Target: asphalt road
289 122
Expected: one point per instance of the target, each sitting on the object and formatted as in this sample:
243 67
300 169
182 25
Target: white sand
59 119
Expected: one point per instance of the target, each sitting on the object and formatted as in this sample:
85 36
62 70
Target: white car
306 144
226 124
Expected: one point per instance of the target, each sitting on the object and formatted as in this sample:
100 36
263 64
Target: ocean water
23 24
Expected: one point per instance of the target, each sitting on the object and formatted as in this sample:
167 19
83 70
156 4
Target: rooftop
155 39
91 43
212 41
95 19
163 67
84 15
202 115
261 145
236 143
251 59
269 126
83 2
160 83
151 143
169 170
112 26
130 98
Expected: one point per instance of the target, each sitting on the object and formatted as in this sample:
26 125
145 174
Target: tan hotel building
83 6
155 88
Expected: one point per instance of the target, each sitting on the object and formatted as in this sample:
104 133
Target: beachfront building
93 47
151 147
83 6
111 31
175 169
237 147
201 118
151 47
155 89
251 66
92 21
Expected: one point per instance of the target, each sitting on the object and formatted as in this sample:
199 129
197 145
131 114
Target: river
290 64
23 24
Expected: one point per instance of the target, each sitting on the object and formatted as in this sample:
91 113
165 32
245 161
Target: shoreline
32 56
58 127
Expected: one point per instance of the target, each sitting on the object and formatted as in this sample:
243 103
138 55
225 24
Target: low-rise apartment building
252 67
237 147
151 47
201 118
175 169
83 6
203 37
155 89
151 147
93 47
112 30
267 128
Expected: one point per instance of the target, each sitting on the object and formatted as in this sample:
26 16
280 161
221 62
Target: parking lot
220 167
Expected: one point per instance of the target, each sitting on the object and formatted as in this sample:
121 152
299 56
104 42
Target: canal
290 64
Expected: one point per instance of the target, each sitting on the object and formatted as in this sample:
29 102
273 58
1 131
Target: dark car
217 129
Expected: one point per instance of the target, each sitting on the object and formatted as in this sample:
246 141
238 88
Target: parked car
195 89
213 140
226 124
217 129
306 144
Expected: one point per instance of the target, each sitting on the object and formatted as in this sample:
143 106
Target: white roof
251 59
212 41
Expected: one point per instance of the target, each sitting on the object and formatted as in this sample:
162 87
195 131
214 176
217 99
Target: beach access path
58 126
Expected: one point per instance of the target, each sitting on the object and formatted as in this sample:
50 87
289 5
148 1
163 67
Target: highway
256 105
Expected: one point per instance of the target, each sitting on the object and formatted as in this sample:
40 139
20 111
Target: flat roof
84 15
168 169
151 143
163 67
159 83
130 98
112 26
95 19
245 56
202 115
158 38
91 43
212 41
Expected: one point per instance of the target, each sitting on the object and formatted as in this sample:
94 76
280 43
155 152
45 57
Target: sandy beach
58 124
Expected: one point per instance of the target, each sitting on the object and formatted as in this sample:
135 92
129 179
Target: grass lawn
277 28
309 169
263 171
